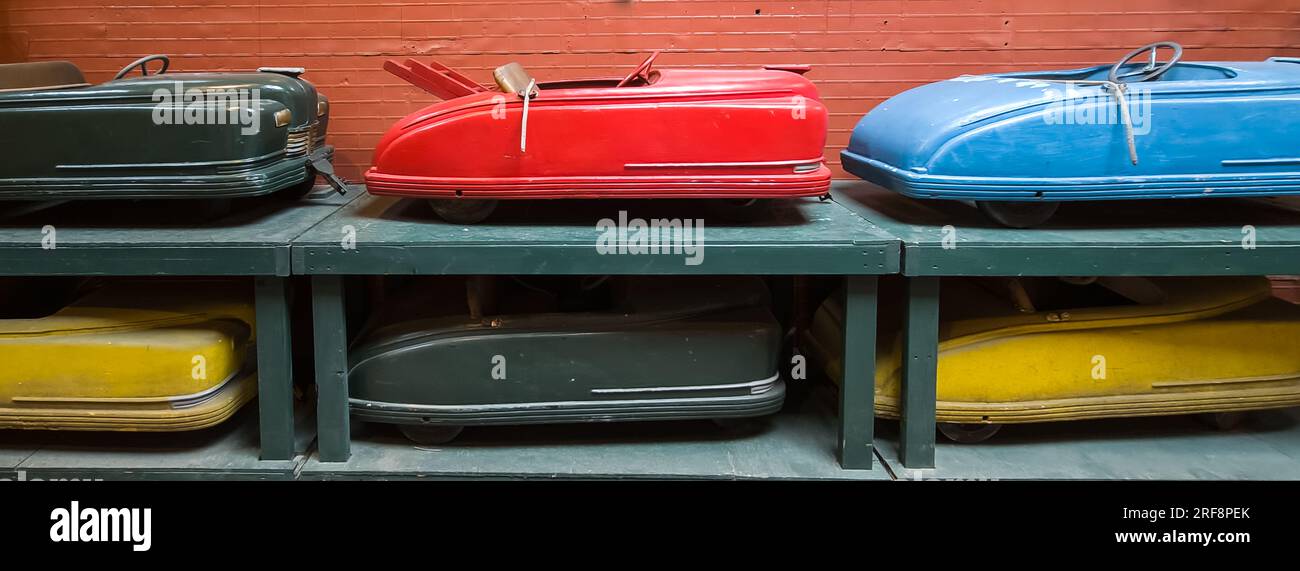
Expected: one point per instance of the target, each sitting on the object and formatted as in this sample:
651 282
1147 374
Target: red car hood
670 85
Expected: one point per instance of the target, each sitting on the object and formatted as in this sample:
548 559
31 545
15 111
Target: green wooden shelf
1202 237
161 238
228 451
377 235
559 237
793 447
1144 448
792 444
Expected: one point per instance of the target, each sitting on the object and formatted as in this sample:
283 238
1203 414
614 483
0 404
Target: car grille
301 141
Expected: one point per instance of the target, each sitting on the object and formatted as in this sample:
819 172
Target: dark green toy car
159 135
561 350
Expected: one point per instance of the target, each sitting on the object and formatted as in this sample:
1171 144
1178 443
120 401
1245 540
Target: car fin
443 79
456 75
417 80
792 68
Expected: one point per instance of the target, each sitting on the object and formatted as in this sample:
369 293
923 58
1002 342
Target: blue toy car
1017 144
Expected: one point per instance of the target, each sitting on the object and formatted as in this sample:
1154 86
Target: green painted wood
226 451
1148 238
1266 446
395 236
15 446
274 368
329 329
794 444
158 237
920 372
858 389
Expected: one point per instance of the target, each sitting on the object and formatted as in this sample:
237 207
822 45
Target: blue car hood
908 130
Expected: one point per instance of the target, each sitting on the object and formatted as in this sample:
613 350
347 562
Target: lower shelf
228 451
1265 446
798 443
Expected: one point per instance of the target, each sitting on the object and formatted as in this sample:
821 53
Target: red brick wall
862 50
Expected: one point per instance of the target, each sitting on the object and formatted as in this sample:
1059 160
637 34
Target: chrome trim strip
1260 162
755 388
817 160
269 155
301 141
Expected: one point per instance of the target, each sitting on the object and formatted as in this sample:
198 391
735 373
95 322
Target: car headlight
322 108
283 117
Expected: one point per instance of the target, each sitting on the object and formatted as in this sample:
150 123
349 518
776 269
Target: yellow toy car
1021 350
126 355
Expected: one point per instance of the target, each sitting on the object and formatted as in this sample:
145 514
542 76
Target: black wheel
743 209
430 434
968 433
16 208
746 425
1224 420
1018 214
463 210
213 208
301 189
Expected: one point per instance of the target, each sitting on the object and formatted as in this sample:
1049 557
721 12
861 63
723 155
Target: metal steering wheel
642 70
1151 70
144 68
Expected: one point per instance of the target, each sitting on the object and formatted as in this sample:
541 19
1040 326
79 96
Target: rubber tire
741 425
213 208
968 433
1224 420
430 434
463 210
743 209
301 189
1018 214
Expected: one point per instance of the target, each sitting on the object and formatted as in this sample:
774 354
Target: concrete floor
1266 446
226 452
796 444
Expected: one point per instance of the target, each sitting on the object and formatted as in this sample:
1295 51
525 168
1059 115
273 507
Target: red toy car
741 135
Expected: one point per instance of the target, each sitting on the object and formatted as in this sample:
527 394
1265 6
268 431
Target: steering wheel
144 68
642 70
1151 71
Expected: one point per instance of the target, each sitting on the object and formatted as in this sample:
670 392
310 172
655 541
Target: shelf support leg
858 389
329 331
920 372
274 367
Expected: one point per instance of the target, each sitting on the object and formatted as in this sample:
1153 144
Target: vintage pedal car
160 135
1040 349
742 135
538 350
129 355
1020 143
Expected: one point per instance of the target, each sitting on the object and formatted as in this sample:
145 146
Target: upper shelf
159 237
1194 237
395 236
